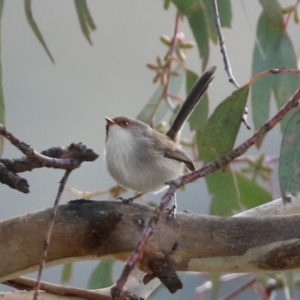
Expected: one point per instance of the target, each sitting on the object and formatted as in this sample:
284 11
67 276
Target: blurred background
50 104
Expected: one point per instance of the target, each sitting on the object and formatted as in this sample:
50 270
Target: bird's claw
126 201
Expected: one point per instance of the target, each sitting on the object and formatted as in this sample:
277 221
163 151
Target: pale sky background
54 105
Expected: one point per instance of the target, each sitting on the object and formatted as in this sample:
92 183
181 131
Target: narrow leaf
101 276
225 193
289 163
216 140
221 129
2 104
85 19
67 272
35 28
225 13
251 193
272 50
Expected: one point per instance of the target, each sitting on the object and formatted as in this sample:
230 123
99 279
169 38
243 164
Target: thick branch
90 229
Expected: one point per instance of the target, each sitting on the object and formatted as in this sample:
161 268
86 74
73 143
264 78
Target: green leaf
225 13
67 272
2 104
196 15
225 194
157 106
272 50
35 28
85 19
101 276
216 285
217 139
251 193
221 129
289 163
199 116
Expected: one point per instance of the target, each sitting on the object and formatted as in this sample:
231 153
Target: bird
143 159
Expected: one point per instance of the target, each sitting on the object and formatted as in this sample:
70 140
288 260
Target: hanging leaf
101 276
2 104
67 272
217 139
85 19
289 163
221 129
225 14
251 193
35 28
273 49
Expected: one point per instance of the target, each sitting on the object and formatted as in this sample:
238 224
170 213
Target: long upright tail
191 101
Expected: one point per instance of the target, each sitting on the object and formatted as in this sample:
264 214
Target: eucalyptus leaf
85 19
251 193
217 139
273 49
67 272
33 25
289 162
2 104
222 127
101 276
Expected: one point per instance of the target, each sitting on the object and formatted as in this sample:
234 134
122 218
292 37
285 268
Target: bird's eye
125 123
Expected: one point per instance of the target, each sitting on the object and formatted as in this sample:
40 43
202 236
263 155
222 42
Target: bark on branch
191 242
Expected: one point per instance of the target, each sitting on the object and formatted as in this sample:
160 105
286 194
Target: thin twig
56 289
171 51
33 155
49 232
222 45
228 69
290 13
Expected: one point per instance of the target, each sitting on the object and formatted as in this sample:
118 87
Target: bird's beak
109 122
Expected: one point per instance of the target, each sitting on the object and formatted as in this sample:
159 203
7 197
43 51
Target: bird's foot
129 200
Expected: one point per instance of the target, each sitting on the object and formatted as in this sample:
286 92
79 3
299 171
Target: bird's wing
180 155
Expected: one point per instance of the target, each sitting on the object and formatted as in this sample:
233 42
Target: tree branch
191 242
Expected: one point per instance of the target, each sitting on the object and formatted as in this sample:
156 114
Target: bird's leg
173 210
129 200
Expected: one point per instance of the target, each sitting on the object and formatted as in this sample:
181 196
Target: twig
228 69
64 157
171 51
13 180
49 232
33 155
290 13
222 45
177 183
273 71
56 289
